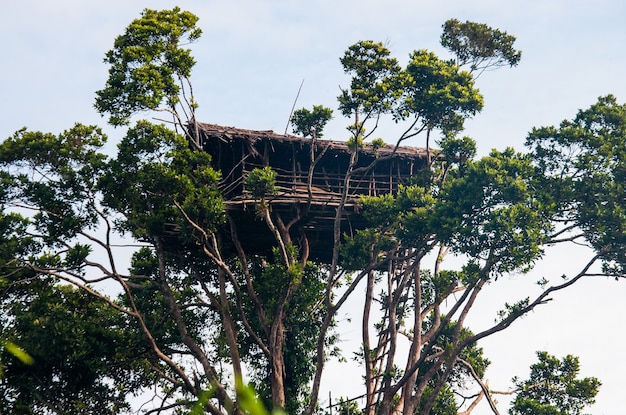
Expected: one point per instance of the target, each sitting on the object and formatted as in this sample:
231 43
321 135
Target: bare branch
483 386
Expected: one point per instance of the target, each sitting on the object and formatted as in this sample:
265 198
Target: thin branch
484 388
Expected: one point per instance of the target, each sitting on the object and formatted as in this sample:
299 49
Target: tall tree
199 313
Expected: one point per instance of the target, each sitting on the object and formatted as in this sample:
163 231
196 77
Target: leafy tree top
554 388
311 122
149 65
374 80
478 45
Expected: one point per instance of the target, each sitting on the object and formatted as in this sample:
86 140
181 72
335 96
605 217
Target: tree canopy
124 275
554 388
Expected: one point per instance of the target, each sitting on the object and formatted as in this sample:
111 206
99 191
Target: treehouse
310 182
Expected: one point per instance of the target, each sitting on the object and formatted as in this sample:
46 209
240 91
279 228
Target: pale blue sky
254 54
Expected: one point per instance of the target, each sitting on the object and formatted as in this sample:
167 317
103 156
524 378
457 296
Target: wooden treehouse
313 201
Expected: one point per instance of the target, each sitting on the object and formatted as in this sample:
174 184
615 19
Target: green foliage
347 407
19 353
403 220
154 176
148 62
458 151
56 175
375 79
438 92
495 213
451 334
417 206
478 45
250 403
430 90
247 399
198 307
381 211
98 357
261 182
366 246
76 255
71 347
355 143
304 314
151 296
554 388
311 122
513 310
15 243
203 399
583 170
378 143
445 403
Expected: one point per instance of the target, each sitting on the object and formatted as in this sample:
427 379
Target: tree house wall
236 152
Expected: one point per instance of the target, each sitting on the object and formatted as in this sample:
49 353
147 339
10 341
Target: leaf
19 353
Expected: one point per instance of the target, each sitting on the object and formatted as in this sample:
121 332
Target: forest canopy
196 322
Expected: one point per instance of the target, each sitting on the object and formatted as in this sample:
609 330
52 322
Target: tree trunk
367 353
409 401
277 362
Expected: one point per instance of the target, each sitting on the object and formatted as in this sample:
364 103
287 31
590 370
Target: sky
254 55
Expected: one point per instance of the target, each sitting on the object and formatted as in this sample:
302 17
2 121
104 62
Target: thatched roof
230 134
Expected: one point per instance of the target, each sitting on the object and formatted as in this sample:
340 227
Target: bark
229 326
193 346
278 364
409 403
367 352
